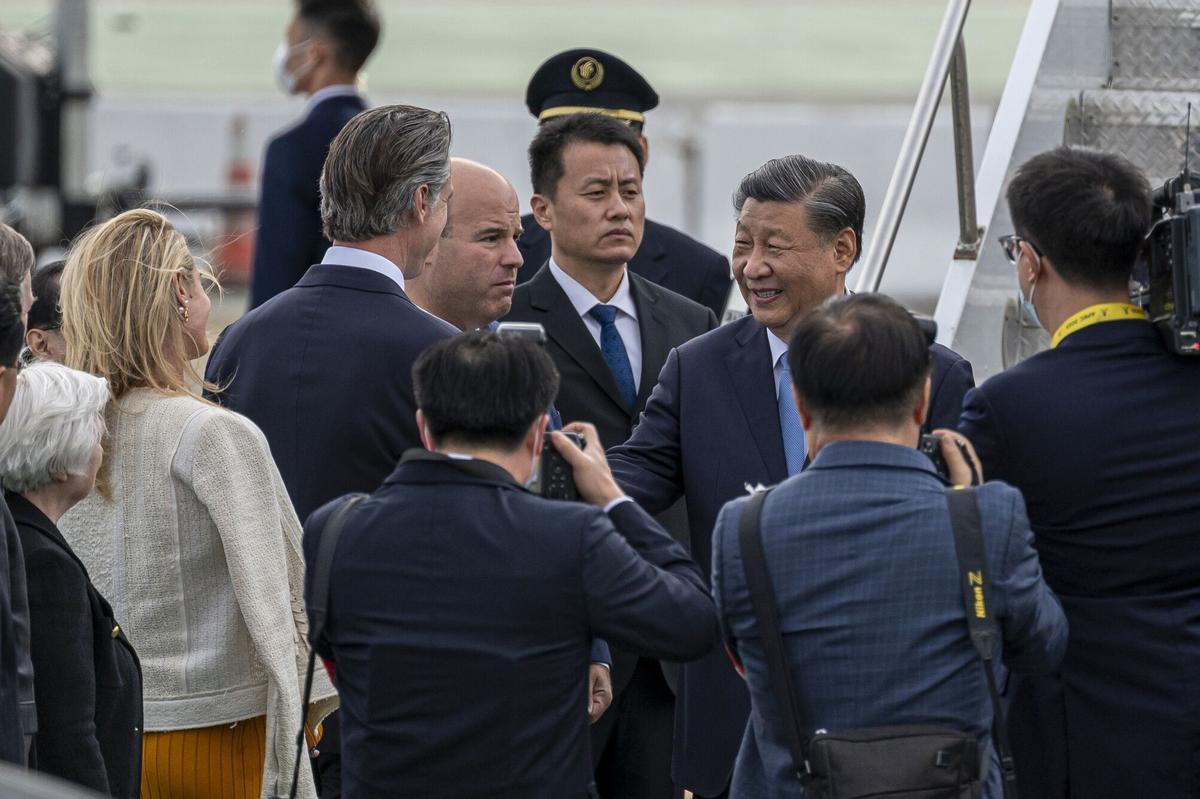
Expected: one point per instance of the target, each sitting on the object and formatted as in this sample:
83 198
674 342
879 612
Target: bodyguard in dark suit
325 45
718 421
609 332
1101 433
324 368
462 606
862 559
593 81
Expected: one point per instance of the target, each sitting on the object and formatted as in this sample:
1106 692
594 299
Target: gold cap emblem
587 74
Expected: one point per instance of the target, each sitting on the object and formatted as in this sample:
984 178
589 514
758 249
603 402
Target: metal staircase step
1156 44
1145 126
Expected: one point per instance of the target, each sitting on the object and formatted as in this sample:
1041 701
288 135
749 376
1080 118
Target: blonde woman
190 533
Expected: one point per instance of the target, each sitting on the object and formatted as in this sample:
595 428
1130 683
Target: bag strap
762 596
985 632
321 569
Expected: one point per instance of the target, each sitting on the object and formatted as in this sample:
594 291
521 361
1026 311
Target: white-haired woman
86 676
190 532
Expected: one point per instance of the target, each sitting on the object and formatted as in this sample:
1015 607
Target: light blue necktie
613 349
789 422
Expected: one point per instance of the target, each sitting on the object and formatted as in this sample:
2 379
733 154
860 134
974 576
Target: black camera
1166 278
557 479
932 447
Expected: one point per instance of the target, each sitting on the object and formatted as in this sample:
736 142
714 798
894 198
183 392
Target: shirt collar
321 95
362 259
584 300
779 347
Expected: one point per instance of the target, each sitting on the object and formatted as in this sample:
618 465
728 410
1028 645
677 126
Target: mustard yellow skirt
224 761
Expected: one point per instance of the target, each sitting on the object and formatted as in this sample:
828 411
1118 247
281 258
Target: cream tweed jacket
199 553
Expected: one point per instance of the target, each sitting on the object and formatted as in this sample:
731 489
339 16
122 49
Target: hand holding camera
593 479
955 454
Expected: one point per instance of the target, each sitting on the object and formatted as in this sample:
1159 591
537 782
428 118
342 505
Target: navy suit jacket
461 610
325 370
1102 436
710 427
862 562
672 259
289 219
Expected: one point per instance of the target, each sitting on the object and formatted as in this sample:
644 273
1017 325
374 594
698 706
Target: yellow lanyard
1094 315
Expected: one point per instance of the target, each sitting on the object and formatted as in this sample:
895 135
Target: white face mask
1027 309
285 79
535 471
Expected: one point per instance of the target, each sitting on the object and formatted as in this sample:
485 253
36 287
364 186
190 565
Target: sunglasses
1011 244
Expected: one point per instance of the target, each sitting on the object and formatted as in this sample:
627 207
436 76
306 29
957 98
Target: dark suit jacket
672 259
880 589
461 611
1102 436
710 427
289 219
88 680
14 645
325 369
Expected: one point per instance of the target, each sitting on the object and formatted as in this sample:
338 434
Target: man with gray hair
324 369
16 264
722 416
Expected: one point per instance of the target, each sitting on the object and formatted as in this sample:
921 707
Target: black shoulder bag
901 762
321 569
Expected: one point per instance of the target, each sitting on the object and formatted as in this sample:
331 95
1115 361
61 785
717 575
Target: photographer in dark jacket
87 676
462 607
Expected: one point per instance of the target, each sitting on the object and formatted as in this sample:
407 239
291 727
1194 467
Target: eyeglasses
1011 244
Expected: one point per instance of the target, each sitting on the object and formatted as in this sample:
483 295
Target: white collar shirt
626 321
336 90
362 259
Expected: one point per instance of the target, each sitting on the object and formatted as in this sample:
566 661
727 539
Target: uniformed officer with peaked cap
586 80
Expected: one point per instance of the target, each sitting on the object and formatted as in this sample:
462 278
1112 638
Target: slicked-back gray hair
16 255
52 426
375 167
831 195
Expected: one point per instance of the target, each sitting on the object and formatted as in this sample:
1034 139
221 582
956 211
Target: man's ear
35 339
922 409
543 211
805 415
422 204
645 150
845 250
426 439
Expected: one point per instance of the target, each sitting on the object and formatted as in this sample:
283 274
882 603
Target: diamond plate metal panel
1145 127
1156 44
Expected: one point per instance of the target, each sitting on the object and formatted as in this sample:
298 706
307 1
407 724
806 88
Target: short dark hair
484 388
555 135
45 314
12 328
16 255
1088 212
831 195
352 26
859 360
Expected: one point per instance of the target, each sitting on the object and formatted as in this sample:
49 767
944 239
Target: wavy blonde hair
120 314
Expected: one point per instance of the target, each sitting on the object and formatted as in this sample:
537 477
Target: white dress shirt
362 259
627 318
337 90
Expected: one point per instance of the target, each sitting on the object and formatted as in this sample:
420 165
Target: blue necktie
613 349
789 422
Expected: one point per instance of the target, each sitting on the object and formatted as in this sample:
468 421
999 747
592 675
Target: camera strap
321 570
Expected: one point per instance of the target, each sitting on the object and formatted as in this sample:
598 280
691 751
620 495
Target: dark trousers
327 768
631 743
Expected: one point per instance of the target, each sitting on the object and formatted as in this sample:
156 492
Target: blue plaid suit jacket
861 557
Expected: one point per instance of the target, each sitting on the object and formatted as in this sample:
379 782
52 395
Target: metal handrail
948 52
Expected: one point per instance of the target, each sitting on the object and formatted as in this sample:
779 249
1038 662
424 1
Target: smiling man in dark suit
609 332
587 80
325 45
718 419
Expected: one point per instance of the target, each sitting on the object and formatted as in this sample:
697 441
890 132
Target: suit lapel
753 377
568 331
650 260
656 338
